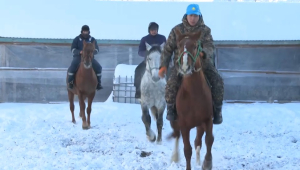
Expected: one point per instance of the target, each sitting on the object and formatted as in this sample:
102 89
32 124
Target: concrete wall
251 71
47 84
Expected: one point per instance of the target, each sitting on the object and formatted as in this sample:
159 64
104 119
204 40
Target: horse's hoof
85 127
152 139
158 142
207 165
198 160
175 157
73 121
151 136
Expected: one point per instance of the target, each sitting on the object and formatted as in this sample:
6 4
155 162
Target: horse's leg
159 123
147 122
82 111
209 140
176 135
187 147
89 108
198 143
71 100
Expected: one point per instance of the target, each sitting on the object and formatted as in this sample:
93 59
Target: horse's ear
148 47
84 43
162 46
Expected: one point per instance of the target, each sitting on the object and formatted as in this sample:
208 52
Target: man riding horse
76 49
153 38
192 22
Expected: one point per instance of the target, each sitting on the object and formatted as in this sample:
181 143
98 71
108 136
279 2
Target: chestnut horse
193 101
84 85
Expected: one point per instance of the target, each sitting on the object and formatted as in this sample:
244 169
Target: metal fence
34 70
124 90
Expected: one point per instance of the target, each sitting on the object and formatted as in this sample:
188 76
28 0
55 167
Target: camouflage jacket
171 45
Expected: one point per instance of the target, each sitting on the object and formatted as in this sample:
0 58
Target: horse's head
153 60
87 54
189 49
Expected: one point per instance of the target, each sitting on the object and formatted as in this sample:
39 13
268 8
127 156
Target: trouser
138 74
75 65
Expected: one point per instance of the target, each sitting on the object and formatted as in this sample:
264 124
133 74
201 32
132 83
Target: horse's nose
185 68
155 78
87 64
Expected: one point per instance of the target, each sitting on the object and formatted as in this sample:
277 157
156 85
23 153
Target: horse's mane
89 46
154 48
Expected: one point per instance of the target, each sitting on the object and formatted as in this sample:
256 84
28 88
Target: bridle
194 58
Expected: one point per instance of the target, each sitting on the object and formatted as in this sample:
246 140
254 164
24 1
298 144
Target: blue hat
193 9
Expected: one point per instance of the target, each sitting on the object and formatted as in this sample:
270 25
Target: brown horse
84 85
193 101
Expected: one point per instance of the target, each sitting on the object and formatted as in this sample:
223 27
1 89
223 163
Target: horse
193 101
84 85
152 92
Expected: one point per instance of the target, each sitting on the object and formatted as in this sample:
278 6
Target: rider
192 22
153 38
76 49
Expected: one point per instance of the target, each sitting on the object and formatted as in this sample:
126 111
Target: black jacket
77 45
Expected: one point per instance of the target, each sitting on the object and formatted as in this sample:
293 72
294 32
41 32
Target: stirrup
99 87
171 112
70 85
218 118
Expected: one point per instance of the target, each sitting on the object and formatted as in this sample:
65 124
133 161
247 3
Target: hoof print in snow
294 141
144 154
227 157
278 156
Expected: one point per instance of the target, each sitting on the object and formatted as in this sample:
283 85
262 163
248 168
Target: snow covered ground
42 136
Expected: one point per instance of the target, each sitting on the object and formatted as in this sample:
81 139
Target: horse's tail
173 135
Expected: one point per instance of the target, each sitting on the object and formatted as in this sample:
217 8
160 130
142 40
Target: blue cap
193 9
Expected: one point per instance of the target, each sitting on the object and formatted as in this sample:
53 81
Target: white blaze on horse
153 92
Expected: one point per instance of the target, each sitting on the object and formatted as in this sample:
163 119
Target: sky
129 20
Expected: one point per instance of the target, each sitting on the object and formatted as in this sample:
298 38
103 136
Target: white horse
153 92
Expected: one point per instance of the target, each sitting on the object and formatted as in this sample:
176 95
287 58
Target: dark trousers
75 65
76 62
138 74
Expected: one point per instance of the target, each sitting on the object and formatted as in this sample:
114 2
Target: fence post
130 55
3 63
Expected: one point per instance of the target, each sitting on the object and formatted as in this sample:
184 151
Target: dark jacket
77 45
151 40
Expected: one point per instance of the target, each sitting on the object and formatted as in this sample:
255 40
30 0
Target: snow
129 20
124 70
42 136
